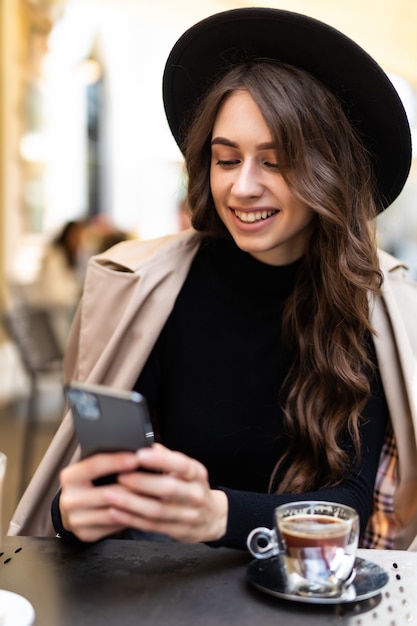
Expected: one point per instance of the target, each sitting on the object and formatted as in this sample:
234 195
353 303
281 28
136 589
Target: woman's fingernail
129 461
144 453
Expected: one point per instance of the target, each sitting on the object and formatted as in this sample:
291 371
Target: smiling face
249 191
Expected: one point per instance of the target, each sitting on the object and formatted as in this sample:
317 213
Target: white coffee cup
318 543
15 610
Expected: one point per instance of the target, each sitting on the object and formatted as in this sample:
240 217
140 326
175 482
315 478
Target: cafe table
123 583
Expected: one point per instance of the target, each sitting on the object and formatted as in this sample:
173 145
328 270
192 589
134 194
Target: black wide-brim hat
211 47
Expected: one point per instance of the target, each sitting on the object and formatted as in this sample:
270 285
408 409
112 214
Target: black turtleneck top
213 382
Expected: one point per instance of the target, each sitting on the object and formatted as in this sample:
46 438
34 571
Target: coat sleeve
128 295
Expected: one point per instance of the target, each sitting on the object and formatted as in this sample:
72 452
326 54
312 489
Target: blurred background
86 159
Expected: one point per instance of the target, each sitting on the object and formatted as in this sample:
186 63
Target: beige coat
128 295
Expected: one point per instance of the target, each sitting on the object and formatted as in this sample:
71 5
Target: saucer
15 610
269 576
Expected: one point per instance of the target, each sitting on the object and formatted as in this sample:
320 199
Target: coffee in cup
317 542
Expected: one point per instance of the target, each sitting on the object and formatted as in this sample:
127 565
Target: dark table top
133 582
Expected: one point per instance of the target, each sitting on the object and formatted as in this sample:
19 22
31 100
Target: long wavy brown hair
326 319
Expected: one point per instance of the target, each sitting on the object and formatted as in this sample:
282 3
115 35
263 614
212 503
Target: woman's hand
176 501
84 507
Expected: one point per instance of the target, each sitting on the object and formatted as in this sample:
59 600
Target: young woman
251 336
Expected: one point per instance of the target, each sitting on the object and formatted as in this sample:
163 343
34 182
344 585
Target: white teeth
253 216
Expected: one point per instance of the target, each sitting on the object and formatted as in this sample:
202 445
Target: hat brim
211 46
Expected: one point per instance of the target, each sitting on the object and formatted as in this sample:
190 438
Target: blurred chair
32 332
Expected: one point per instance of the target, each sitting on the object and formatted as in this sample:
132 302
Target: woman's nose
247 182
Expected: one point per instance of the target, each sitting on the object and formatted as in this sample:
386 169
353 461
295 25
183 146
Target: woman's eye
227 162
274 166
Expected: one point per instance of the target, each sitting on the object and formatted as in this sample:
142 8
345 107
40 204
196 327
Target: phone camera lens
87 405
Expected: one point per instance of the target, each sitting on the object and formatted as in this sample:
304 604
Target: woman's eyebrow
222 141
268 145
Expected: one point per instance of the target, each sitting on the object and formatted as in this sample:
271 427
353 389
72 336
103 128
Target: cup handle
262 543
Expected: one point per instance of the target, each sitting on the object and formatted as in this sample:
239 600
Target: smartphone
109 420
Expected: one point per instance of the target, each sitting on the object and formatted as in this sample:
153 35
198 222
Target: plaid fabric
381 528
